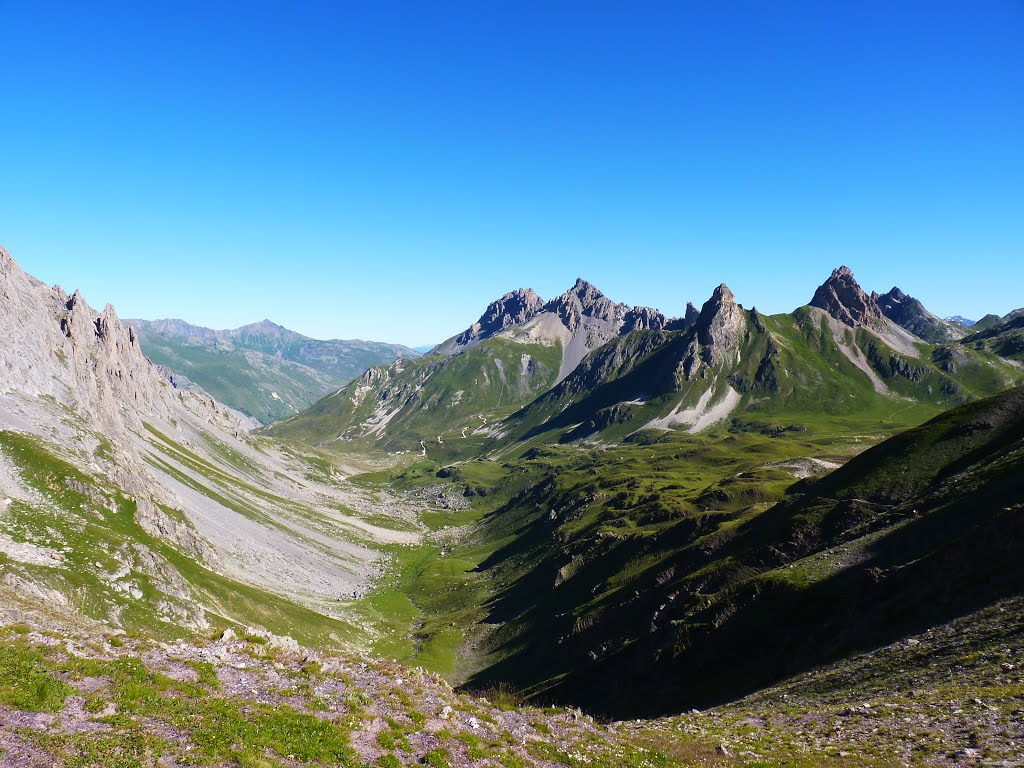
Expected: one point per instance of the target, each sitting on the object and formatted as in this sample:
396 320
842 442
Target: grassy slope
790 374
300 371
92 525
588 565
430 397
922 528
1005 339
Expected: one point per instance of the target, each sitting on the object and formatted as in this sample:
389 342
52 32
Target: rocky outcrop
514 308
716 333
910 314
692 313
846 301
585 300
720 325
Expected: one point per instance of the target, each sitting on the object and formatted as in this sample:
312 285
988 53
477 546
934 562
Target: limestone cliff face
56 345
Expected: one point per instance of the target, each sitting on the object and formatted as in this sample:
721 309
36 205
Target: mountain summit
514 308
578 321
843 298
719 324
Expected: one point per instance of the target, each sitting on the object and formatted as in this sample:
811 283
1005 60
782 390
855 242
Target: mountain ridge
262 368
745 361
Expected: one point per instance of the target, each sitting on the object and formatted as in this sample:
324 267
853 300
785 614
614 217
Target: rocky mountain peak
585 291
909 313
719 324
894 294
514 308
843 298
717 330
584 299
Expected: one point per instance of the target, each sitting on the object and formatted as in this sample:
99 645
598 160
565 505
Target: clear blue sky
383 170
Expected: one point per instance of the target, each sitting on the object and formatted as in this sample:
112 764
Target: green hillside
262 370
789 372
654 578
443 405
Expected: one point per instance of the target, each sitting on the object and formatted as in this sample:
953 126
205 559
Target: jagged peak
723 294
514 308
525 294
894 295
843 298
719 324
584 285
526 300
842 272
910 314
583 291
721 298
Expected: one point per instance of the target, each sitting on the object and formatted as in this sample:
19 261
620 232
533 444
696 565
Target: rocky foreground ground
953 696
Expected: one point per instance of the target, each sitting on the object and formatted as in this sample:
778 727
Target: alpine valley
263 369
577 533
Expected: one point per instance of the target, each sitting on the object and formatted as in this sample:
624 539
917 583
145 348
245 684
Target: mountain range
263 369
753 539
583 368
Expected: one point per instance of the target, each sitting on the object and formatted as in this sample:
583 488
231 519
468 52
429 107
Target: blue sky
383 170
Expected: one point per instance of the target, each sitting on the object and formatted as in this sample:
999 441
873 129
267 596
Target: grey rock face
720 325
909 313
514 308
716 334
585 300
846 301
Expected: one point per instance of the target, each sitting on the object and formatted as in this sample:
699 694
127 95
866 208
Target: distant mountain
960 320
1005 338
262 369
991 321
